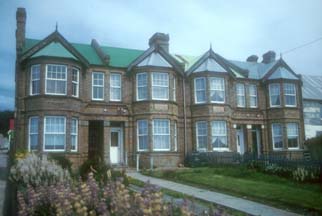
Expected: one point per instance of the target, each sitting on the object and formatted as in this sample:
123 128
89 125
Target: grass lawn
242 182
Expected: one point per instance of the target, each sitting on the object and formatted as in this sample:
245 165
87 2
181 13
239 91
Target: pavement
3 176
243 205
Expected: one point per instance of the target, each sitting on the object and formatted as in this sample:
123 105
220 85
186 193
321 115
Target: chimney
21 29
252 58
160 40
269 57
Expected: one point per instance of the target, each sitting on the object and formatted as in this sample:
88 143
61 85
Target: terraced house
88 100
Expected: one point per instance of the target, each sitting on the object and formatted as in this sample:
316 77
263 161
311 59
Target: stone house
126 105
312 105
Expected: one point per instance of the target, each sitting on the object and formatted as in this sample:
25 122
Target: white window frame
45 132
175 136
116 87
100 86
270 94
163 86
74 134
47 93
293 95
241 94
217 89
141 86
169 135
34 133
76 83
174 89
219 135
273 136
195 90
292 136
198 135
36 80
253 96
138 135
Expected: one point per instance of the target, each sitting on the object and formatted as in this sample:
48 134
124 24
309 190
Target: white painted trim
30 81
197 135
32 117
241 95
169 140
46 78
137 135
119 87
269 91
44 137
273 143
224 89
163 99
137 86
75 82
76 134
195 90
98 99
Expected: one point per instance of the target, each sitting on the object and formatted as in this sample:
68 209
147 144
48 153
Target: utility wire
303 45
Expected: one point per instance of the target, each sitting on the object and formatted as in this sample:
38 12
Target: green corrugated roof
121 57
54 49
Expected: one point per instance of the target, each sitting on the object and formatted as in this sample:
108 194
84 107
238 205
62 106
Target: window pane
217 89
160 86
289 94
54 133
35 80
219 135
142 134
56 78
33 133
200 90
292 135
115 87
202 132
240 92
252 89
274 92
142 90
277 133
161 134
98 86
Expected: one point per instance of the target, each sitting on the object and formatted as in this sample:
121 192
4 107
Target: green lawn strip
176 194
256 186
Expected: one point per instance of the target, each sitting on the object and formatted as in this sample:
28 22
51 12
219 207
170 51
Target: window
97 86
219 135
274 95
142 132
115 87
160 86
201 132
75 82
175 136
174 89
74 134
277 136
289 94
33 133
292 135
217 90
240 92
200 90
141 86
54 133
252 90
161 135
56 79
35 80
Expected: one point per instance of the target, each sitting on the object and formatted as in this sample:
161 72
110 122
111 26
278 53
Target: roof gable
209 65
154 59
282 73
54 49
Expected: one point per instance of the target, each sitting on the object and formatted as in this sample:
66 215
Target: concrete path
239 204
3 177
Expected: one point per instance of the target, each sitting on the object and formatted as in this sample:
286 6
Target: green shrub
61 160
278 170
314 146
301 174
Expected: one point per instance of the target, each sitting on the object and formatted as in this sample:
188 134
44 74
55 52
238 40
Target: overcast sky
236 29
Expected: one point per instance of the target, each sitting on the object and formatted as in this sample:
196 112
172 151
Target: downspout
184 116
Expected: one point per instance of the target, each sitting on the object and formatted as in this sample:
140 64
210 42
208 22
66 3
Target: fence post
137 162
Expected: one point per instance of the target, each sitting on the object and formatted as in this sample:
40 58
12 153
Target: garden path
247 206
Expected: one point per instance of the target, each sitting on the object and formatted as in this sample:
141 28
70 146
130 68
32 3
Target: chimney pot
269 57
160 40
252 58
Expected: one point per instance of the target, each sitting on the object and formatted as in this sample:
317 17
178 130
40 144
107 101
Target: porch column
83 141
264 134
127 142
249 138
106 146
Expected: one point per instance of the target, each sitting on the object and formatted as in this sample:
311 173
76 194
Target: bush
314 146
61 160
35 171
278 170
301 174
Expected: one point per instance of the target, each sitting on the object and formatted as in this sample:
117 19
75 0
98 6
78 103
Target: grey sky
236 29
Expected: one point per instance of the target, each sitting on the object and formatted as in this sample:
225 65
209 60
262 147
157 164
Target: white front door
116 145
240 141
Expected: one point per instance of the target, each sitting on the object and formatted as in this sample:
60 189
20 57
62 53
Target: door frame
119 130
238 143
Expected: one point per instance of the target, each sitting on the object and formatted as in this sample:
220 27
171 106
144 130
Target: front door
116 145
240 141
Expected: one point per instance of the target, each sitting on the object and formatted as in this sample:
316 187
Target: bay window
54 133
141 86
97 86
115 87
74 134
160 86
252 90
75 82
289 94
277 136
219 135
161 135
240 92
200 90
292 135
274 95
142 135
56 79
33 133
175 136
217 90
35 80
201 134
